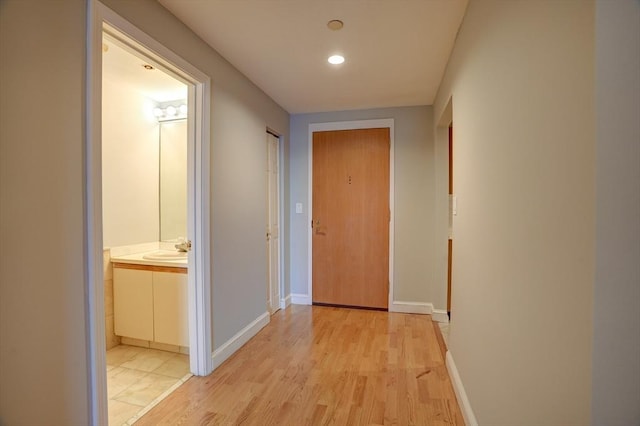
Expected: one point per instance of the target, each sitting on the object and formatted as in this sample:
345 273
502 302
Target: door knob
316 227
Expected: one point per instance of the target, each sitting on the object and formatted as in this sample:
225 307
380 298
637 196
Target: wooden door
273 224
351 218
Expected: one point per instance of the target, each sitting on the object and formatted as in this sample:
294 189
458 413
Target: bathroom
144 224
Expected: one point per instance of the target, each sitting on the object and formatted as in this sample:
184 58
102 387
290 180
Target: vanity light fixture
170 112
336 59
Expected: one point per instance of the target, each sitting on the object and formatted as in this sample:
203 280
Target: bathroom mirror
173 180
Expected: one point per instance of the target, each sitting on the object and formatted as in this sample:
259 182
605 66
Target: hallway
320 365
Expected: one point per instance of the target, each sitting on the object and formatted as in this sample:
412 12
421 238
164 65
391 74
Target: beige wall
43 334
43 353
130 166
521 79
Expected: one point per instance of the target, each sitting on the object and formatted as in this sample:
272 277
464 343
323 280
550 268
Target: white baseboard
229 347
437 315
285 302
440 315
411 307
300 299
461 395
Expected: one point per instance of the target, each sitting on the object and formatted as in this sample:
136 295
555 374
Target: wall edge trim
461 394
440 315
284 303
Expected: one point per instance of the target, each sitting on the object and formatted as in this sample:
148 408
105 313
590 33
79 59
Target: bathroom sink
165 255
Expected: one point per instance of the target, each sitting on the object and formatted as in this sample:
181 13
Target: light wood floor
322 365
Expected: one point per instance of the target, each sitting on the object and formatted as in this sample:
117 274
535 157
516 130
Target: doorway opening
445 208
144 221
150 276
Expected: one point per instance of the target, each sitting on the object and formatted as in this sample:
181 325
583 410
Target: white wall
42 274
43 353
616 318
130 166
417 278
521 79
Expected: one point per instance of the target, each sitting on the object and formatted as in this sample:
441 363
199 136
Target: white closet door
273 223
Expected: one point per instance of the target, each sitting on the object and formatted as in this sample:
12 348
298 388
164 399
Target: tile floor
139 378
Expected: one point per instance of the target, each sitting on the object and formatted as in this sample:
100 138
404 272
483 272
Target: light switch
298 208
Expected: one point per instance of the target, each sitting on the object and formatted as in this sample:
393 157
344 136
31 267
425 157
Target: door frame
199 299
351 125
444 217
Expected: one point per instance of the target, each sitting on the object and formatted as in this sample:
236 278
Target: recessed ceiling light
147 67
335 24
336 59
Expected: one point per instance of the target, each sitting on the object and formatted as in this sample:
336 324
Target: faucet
183 246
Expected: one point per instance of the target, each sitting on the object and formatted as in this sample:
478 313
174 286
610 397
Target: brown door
351 217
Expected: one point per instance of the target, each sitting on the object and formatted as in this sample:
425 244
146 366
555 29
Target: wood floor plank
323 366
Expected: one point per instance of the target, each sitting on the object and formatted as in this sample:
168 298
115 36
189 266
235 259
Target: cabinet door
132 303
171 321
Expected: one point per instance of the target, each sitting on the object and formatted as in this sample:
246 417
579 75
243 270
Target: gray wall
521 81
43 331
417 278
616 315
240 115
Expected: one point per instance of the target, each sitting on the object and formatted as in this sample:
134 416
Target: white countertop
138 259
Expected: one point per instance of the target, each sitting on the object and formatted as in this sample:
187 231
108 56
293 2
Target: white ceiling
396 50
120 65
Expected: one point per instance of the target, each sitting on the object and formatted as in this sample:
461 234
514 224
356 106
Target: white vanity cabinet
133 303
170 319
150 303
